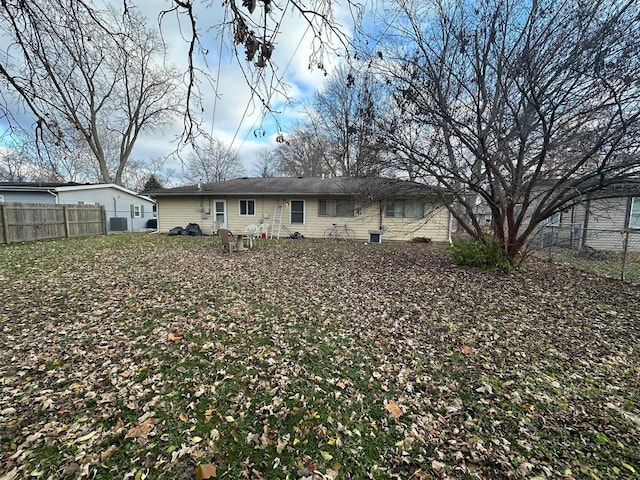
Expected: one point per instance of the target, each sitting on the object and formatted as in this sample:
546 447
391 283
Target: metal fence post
625 249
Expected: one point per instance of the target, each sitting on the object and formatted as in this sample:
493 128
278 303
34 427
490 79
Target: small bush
488 256
420 240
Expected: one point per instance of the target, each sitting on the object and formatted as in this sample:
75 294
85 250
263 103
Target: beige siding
435 225
179 211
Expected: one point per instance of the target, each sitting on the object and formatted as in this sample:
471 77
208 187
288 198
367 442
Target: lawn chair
227 244
250 233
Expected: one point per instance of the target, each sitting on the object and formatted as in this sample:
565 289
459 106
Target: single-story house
125 209
600 221
375 209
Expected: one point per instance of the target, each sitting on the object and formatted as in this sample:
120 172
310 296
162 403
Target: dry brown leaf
394 409
175 336
205 470
104 456
141 430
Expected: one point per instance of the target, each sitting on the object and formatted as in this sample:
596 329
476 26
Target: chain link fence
613 253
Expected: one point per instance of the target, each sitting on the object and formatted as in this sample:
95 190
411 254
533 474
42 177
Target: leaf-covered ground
145 356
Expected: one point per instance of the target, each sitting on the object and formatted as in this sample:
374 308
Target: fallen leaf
485 388
205 471
175 336
394 409
86 437
104 456
141 430
326 455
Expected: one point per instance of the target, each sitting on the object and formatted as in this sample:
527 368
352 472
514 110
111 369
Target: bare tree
214 163
507 97
139 171
14 167
303 154
97 72
266 163
344 113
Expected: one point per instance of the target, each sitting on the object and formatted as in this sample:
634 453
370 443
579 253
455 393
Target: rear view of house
374 209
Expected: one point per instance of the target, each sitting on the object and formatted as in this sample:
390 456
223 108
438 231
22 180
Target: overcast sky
234 117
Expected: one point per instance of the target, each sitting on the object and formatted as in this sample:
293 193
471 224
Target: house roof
58 187
35 186
372 188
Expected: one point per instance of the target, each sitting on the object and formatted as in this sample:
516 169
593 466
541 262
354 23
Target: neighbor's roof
373 188
64 187
35 186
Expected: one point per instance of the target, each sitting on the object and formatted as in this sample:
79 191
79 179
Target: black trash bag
296 235
175 231
193 230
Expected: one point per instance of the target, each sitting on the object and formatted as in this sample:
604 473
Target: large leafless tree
266 164
214 162
526 106
344 114
302 153
96 73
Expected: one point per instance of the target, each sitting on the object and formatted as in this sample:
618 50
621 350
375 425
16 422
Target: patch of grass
299 357
606 264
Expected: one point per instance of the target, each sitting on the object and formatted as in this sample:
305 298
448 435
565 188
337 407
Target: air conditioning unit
118 224
375 236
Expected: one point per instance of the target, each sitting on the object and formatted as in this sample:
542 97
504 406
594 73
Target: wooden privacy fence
23 222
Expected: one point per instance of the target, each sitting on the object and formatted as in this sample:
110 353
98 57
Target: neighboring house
125 210
602 223
375 209
599 221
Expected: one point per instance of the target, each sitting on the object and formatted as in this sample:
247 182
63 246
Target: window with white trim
634 213
247 207
137 211
336 208
404 209
554 220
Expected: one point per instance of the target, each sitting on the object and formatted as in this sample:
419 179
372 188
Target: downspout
55 195
380 212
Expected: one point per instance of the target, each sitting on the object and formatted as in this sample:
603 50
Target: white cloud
235 114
